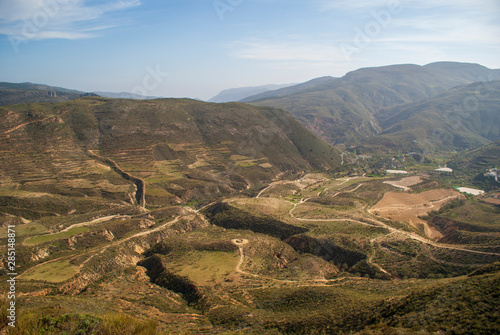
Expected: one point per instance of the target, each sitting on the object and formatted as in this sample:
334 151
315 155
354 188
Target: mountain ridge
465 117
345 110
240 93
183 146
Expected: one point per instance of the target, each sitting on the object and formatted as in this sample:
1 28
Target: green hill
308 86
480 159
466 117
473 165
464 306
17 93
346 110
182 149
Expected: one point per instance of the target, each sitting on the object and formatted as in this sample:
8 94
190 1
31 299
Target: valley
330 238
177 216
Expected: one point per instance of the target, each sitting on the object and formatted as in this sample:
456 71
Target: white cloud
286 51
355 5
61 35
367 5
64 19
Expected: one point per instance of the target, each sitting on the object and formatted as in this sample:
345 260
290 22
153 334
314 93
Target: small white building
444 169
493 173
468 190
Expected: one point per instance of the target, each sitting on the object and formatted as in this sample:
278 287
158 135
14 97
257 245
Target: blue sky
196 48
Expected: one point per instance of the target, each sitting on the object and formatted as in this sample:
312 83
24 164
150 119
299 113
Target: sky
196 48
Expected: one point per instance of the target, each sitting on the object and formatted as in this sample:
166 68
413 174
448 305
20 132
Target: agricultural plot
405 183
408 207
52 272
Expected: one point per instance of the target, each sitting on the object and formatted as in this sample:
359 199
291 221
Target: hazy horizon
196 49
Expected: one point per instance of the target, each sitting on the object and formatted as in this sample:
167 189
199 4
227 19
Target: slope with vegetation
465 117
175 216
11 93
240 93
349 109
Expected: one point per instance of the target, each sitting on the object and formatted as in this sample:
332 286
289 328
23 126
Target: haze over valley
274 180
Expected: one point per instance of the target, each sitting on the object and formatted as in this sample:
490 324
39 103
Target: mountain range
405 107
17 93
355 107
124 95
464 117
178 216
240 93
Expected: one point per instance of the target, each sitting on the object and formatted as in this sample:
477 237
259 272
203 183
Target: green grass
35 240
158 192
164 178
476 213
267 206
28 229
10 192
53 272
312 211
244 161
168 167
204 267
343 227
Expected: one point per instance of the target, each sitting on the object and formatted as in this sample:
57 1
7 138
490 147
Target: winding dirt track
142 233
390 228
240 243
104 248
376 223
27 123
305 282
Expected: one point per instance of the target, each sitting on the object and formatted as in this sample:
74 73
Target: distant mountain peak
239 93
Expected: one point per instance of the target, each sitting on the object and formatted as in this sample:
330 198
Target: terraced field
205 237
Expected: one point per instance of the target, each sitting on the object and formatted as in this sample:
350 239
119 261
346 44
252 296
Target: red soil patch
492 201
407 207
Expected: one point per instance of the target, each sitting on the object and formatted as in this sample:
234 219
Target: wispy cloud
63 19
447 30
442 27
328 5
367 5
303 51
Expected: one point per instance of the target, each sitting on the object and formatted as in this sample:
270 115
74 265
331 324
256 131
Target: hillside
124 95
472 165
179 216
176 216
346 110
465 117
251 263
293 89
12 93
182 149
480 159
240 93
423 310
